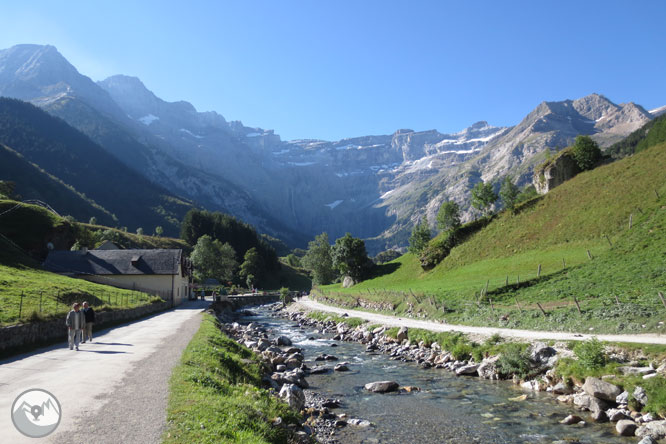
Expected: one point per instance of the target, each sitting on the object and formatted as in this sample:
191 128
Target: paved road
112 390
484 331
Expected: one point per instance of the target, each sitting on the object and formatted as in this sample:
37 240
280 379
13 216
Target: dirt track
393 321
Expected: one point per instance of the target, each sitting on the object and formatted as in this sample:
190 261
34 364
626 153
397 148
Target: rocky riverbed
340 401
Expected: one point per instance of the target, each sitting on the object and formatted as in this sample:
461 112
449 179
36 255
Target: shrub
586 152
462 351
590 353
514 360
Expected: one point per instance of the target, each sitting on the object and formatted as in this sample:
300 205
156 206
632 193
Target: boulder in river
601 389
571 419
293 395
626 427
382 386
341 367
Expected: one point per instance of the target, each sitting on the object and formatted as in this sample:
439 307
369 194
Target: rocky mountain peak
594 106
35 66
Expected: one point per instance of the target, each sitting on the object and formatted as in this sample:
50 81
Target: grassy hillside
25 231
589 212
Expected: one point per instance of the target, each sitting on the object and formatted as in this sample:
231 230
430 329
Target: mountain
375 187
77 162
34 183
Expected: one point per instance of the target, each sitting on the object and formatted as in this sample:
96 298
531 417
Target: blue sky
335 69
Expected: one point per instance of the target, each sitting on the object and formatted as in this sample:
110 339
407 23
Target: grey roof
114 262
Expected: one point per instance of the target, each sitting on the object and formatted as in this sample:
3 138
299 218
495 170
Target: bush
514 360
462 351
586 152
590 353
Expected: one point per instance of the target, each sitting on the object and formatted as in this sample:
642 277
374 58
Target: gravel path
135 411
393 321
113 390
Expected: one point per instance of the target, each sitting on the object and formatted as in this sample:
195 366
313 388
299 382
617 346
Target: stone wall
26 335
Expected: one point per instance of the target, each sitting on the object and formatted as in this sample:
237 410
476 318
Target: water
448 409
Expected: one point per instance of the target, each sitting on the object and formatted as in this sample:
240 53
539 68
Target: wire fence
41 305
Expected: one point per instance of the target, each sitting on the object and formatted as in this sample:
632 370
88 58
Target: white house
165 273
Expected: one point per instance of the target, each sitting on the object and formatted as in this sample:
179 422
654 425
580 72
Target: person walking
75 323
89 314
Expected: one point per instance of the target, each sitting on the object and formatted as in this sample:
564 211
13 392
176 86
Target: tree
139 231
420 236
318 260
586 152
213 259
159 230
448 216
93 221
509 193
293 260
252 265
350 257
7 189
483 197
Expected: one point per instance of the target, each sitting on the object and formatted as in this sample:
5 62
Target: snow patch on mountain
148 119
332 205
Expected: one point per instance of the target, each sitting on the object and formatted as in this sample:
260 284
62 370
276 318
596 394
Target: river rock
402 334
571 419
543 355
601 389
282 340
382 386
640 395
614 415
582 400
263 344
654 429
359 422
562 389
622 398
647 440
378 330
469 369
280 368
626 427
488 369
341 367
293 395
629 370
319 369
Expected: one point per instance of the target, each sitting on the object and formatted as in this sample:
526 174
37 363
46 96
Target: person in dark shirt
89 313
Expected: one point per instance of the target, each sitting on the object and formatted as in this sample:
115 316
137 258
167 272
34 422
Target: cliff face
555 172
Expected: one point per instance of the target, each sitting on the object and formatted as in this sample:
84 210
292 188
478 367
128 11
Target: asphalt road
112 390
394 321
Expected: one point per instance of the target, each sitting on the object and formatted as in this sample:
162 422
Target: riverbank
626 392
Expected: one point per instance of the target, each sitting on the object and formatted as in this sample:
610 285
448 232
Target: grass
216 395
56 294
589 212
321 316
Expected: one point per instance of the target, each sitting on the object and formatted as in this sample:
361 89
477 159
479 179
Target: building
165 273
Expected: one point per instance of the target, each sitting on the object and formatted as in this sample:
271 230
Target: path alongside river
114 389
393 321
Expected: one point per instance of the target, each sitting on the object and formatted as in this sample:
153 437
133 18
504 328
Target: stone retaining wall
25 335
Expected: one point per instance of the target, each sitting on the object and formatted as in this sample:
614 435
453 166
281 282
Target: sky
336 69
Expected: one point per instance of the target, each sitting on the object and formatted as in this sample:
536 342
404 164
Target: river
447 409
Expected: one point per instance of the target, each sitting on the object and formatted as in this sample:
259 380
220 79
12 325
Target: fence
33 306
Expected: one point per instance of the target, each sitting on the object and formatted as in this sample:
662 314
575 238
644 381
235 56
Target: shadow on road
104 352
112 343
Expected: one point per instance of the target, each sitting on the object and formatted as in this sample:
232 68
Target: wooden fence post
589 255
506 284
41 297
617 301
485 290
21 306
518 280
608 239
564 264
492 307
518 305
631 218
661 296
577 305
656 193
539 271
542 310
